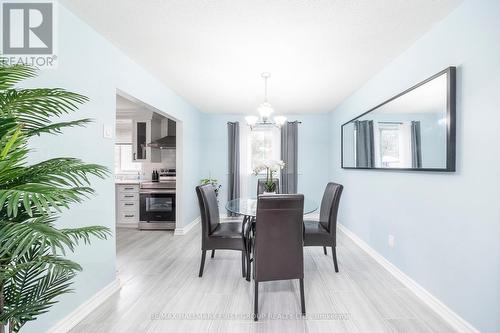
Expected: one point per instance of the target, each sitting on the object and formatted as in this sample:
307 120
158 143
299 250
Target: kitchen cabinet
127 205
143 132
140 144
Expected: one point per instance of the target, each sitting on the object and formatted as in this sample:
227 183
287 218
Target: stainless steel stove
161 186
157 203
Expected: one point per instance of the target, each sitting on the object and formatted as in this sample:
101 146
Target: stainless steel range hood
166 142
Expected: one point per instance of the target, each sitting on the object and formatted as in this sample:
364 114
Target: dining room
249 166
268 251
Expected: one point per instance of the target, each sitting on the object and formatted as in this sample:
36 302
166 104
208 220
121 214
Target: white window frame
276 147
404 135
118 160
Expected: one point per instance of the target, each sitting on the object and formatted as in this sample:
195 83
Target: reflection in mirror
414 130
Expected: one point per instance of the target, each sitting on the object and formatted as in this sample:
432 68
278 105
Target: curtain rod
389 122
237 122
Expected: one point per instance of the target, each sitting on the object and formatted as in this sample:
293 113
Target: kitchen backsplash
167 162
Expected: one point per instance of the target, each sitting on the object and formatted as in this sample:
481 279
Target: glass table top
248 206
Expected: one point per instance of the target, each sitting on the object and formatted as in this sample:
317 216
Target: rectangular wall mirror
414 130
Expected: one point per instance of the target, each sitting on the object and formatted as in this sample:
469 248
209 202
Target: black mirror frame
450 128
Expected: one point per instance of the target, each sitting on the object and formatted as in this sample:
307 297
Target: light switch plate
391 241
107 131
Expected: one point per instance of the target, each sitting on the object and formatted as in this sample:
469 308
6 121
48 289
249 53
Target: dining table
247 207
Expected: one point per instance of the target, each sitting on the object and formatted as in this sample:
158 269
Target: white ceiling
212 51
123 104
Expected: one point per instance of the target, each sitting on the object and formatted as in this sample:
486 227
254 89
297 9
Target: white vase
269 193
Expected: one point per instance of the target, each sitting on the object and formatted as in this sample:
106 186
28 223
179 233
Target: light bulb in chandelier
251 120
280 120
265 110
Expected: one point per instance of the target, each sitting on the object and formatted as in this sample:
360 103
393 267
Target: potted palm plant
33 269
271 166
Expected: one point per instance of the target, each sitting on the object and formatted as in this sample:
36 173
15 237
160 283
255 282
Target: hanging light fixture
265 111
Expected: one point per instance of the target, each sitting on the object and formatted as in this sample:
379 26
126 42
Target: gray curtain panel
289 149
365 150
416 145
233 162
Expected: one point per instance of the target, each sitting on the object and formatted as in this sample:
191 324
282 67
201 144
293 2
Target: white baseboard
76 316
184 230
430 300
127 225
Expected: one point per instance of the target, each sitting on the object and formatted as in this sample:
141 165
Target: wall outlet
390 240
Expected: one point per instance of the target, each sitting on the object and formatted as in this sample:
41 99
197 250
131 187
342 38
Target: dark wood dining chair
278 242
217 235
261 185
324 232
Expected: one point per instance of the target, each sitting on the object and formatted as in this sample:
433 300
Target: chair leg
324 250
249 267
213 254
302 299
243 259
256 302
202 264
334 254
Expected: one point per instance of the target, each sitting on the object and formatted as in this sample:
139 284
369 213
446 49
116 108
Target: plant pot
269 193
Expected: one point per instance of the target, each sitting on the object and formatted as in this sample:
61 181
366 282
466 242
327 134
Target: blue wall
313 153
446 226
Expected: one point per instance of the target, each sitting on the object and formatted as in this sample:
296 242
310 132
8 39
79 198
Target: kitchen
145 167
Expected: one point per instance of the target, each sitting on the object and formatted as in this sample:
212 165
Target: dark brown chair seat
228 229
324 232
315 234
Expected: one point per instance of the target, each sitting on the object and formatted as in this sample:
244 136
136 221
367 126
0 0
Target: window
389 145
392 144
263 144
123 159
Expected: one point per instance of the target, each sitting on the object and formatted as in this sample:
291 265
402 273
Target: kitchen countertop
128 181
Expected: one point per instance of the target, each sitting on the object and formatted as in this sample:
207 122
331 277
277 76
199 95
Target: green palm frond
10 143
10 136
86 233
7 126
18 238
9 271
35 107
13 150
63 172
55 128
40 104
47 185
10 75
34 287
46 198
32 272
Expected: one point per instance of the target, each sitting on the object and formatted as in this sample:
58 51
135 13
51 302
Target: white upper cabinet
145 131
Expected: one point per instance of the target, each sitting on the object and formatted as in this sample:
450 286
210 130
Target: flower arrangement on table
212 181
271 166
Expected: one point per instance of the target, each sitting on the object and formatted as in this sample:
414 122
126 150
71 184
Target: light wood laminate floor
162 292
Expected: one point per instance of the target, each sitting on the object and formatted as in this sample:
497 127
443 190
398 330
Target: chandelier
265 111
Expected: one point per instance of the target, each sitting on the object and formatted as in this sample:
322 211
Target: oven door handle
156 191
